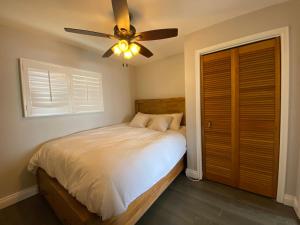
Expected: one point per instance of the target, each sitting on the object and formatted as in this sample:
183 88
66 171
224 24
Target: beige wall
20 136
286 14
161 79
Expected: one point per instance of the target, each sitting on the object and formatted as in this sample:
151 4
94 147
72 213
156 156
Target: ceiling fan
127 35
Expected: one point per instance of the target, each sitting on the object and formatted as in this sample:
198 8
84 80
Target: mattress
108 168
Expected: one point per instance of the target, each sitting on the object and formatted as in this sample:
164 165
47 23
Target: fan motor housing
123 33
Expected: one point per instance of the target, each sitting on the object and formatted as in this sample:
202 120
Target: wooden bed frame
161 106
72 212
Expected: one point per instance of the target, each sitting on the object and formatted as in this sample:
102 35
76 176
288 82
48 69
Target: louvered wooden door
216 117
241 116
259 88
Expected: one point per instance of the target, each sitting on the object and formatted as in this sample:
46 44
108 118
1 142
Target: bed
126 193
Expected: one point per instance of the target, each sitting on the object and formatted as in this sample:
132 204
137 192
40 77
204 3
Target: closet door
259 116
216 92
240 97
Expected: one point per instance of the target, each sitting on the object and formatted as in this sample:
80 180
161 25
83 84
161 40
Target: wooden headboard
161 106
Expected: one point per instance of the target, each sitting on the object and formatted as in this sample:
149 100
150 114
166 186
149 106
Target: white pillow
176 119
140 120
160 123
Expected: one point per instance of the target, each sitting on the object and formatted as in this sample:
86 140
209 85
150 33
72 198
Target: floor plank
184 203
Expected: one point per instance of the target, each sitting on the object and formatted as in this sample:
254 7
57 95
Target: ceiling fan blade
109 52
156 34
121 12
91 33
144 51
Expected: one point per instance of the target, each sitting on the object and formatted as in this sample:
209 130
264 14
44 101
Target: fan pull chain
124 64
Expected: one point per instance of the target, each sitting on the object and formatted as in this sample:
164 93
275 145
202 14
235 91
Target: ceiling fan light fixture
128 54
134 48
126 34
117 51
123 45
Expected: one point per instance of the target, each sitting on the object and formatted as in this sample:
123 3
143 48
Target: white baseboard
292 201
289 200
297 207
193 174
18 196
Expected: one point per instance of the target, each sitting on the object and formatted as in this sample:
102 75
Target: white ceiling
187 15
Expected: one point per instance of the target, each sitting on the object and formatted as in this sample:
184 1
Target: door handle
209 124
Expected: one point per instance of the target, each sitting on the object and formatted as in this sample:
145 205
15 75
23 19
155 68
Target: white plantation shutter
55 90
87 92
49 92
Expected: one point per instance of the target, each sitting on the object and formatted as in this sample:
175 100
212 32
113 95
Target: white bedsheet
107 168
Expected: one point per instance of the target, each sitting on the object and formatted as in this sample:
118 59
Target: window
86 92
56 90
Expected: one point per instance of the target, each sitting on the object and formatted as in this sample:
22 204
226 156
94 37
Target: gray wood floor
183 203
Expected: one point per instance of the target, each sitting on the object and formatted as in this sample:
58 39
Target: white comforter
108 168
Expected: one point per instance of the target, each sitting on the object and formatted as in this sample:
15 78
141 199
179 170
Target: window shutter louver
55 90
86 93
49 92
